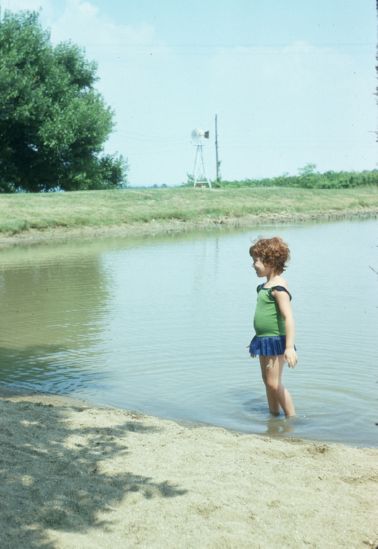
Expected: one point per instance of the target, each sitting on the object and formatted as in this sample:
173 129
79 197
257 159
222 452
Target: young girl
273 322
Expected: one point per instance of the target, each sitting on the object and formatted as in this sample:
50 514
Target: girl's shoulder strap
259 287
280 289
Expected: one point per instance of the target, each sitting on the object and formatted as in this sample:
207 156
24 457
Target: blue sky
292 81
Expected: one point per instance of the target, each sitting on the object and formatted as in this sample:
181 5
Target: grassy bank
161 210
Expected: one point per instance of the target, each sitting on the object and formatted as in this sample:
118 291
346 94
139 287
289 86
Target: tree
53 123
308 169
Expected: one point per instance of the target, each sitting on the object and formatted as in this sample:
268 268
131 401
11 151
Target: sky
292 82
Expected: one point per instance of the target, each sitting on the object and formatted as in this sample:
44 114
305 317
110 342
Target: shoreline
77 475
175 227
56 399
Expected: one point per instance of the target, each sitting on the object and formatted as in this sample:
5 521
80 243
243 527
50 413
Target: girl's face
260 268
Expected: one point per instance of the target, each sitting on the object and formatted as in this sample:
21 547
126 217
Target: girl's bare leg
274 405
271 370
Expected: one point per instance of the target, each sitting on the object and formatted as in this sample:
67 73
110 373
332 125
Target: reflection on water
162 326
52 315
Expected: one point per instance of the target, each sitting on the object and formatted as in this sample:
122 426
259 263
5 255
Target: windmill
199 173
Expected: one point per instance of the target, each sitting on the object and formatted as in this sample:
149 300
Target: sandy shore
76 476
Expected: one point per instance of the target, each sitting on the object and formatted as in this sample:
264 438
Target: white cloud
84 24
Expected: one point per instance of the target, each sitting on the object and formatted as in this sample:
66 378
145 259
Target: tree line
310 179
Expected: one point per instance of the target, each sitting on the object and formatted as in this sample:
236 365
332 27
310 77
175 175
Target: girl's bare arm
283 301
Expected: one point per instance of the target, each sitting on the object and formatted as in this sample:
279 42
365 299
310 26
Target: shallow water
162 326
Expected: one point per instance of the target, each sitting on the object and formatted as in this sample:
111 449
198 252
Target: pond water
162 326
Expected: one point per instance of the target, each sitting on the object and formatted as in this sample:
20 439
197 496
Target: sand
76 476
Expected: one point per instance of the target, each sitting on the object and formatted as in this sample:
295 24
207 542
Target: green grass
19 213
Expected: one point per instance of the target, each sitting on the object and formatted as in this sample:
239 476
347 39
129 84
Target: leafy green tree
53 123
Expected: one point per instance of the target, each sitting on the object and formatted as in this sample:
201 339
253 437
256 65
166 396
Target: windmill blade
198 135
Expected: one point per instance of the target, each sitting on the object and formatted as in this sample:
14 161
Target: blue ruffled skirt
267 345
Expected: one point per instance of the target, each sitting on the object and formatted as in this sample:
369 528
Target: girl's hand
291 357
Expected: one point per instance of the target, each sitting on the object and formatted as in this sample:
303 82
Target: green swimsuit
269 324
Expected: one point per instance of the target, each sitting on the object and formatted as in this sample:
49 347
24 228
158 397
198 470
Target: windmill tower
200 178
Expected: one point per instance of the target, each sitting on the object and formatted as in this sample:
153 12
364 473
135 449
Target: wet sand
78 476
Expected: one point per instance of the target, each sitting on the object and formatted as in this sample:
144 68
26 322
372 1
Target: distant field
176 209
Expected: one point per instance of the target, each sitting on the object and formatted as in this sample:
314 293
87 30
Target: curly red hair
271 251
